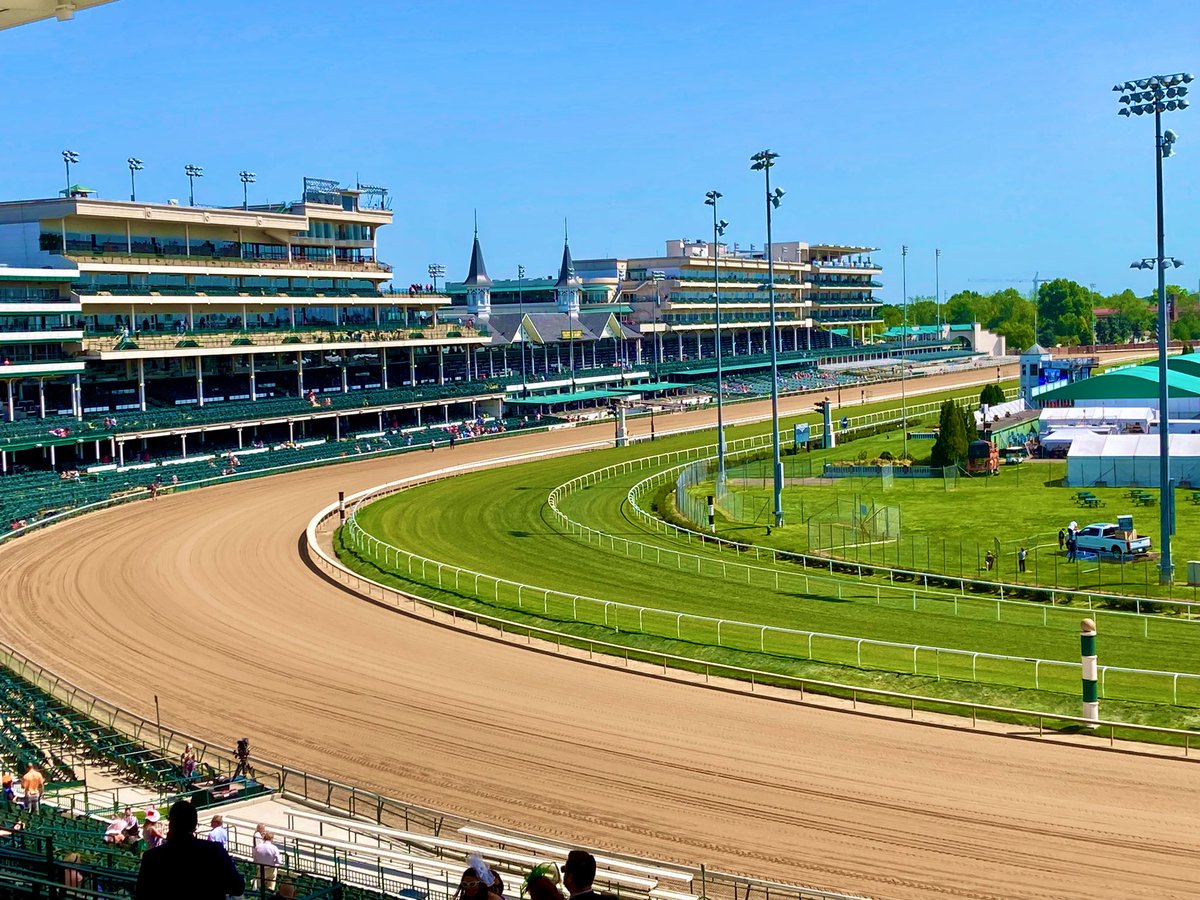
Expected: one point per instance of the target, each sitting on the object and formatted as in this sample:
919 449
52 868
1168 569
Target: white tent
1130 460
1066 437
1123 419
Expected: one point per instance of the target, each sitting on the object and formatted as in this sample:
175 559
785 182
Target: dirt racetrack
201 599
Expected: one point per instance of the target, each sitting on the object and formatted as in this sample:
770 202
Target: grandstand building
824 299
149 316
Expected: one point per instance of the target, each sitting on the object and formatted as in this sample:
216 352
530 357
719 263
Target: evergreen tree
991 395
955 428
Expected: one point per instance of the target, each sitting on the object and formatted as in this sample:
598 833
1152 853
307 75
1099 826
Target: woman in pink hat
152 831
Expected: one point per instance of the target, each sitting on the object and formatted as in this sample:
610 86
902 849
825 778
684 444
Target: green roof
652 386
1189 363
564 397
1134 383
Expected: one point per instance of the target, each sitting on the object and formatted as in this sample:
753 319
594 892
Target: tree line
1063 312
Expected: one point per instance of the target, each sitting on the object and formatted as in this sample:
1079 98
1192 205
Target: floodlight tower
69 157
1159 94
763 161
248 178
719 226
192 173
135 165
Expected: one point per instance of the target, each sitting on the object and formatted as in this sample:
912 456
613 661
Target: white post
141 384
1087 648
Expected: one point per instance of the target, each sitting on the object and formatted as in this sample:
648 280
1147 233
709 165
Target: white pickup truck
1105 537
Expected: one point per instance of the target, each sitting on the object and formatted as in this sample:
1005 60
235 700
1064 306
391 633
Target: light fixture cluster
1162 93
1149 263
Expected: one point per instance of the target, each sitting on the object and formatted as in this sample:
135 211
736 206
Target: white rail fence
927 660
571 644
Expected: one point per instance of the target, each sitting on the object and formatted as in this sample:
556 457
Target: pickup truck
1105 537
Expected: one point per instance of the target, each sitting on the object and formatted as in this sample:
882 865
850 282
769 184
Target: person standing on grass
1062 540
1021 554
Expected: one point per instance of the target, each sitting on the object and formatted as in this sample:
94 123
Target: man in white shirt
266 856
219 834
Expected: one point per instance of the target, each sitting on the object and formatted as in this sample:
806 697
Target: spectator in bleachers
33 784
132 831
9 793
267 856
187 762
542 883
219 834
152 831
115 833
479 882
185 867
578 875
72 877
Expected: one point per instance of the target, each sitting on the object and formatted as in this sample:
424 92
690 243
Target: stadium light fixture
436 271
248 178
719 226
69 157
1159 94
657 275
135 165
192 172
763 161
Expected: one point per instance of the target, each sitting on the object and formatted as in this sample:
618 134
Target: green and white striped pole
1087 649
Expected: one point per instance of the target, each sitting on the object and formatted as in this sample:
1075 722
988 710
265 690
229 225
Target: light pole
192 172
656 276
719 226
135 165
937 288
904 347
436 271
248 178
763 161
1159 94
69 156
521 326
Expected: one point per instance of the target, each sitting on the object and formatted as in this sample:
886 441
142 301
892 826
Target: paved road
200 599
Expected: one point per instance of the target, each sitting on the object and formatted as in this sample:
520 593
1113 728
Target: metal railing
940 662
747 678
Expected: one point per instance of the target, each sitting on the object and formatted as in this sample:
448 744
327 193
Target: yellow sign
576 335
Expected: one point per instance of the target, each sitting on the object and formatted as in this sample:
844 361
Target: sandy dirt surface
201 599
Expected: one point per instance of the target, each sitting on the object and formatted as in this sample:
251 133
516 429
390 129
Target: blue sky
988 130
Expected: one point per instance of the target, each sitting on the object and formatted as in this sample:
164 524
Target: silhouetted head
183 820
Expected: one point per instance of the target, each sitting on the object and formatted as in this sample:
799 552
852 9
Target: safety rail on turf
753 635
846 565
750 679
856 573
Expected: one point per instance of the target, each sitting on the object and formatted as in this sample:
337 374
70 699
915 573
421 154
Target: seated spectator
115 833
72 877
186 867
132 829
152 832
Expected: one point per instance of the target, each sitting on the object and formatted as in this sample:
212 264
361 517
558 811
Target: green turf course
951 530
496 522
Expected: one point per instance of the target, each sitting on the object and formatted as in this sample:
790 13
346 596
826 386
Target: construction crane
1037 281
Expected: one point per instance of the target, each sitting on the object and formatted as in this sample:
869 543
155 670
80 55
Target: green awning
564 397
652 386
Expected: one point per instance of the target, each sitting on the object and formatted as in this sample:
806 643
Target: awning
564 397
652 386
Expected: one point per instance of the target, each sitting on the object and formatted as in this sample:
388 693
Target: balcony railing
281 338
118 258
176 290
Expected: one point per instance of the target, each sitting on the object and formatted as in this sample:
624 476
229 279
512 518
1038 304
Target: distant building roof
1133 383
566 272
477 275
